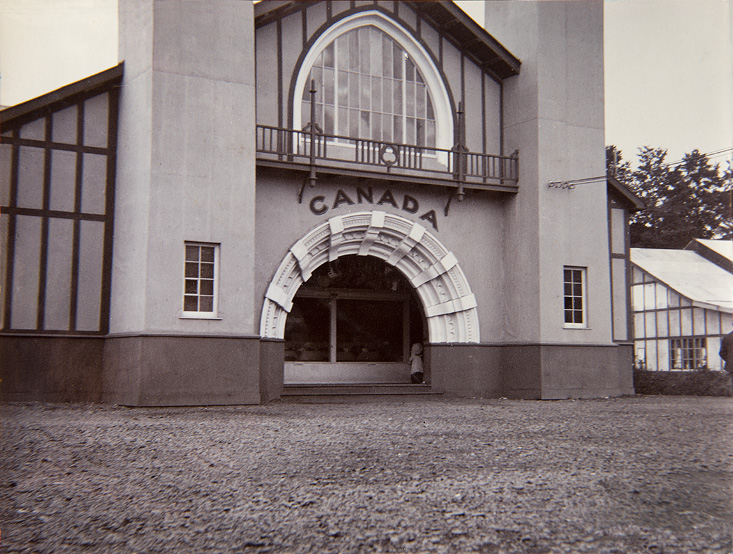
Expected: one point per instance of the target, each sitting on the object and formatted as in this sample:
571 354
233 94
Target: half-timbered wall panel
492 116
30 177
669 332
473 105
292 46
431 39
387 4
26 272
91 260
6 163
64 125
96 118
59 273
339 6
407 14
451 66
315 16
56 205
266 42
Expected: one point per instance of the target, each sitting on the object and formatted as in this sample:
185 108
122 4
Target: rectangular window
574 288
688 353
201 275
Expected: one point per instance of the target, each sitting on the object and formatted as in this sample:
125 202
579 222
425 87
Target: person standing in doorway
416 369
726 352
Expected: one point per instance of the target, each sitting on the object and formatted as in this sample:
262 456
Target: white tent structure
682 303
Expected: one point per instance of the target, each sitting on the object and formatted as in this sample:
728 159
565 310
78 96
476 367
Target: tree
616 166
684 201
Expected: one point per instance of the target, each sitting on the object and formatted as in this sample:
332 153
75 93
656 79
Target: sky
668 64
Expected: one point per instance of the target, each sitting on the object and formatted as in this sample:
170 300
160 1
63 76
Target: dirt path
647 475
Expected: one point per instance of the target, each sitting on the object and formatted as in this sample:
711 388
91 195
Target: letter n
367 195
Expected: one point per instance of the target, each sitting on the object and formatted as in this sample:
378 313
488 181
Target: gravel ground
644 474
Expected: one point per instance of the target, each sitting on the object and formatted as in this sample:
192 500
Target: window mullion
404 97
336 82
333 336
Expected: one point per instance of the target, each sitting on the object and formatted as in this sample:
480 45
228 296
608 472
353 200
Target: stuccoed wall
554 116
472 230
186 172
186 164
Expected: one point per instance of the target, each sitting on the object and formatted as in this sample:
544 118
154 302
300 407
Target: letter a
431 217
341 198
387 198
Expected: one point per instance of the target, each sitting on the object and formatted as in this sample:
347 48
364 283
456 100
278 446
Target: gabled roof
60 98
720 252
689 274
445 16
633 202
722 247
473 38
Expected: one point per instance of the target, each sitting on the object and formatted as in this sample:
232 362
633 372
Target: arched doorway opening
431 269
353 321
434 275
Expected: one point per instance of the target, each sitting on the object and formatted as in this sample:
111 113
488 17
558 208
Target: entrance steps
372 389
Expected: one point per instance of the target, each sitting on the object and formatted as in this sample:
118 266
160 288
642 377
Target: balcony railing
456 167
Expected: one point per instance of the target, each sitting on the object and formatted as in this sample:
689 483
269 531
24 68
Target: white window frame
680 346
188 314
431 76
584 297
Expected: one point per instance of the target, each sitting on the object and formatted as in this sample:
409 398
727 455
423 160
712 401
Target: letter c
318 210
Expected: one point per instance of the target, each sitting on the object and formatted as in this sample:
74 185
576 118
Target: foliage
687 383
684 201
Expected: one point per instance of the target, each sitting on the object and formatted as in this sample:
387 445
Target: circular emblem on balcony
389 154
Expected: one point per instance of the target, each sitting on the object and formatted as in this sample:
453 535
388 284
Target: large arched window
374 81
369 87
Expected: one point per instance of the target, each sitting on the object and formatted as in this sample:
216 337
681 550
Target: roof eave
694 303
492 54
635 203
446 15
12 114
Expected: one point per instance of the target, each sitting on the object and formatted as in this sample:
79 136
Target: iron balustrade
458 164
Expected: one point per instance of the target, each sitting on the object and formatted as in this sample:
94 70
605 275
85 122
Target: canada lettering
319 204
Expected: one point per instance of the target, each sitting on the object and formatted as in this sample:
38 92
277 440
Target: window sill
574 328
199 316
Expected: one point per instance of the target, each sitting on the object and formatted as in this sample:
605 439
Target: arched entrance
353 321
432 271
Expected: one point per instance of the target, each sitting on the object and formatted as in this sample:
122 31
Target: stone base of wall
50 369
152 370
465 370
532 371
690 383
181 371
272 354
580 371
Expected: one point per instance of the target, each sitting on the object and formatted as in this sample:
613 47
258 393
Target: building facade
299 192
682 302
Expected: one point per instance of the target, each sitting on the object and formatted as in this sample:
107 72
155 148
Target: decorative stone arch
433 271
